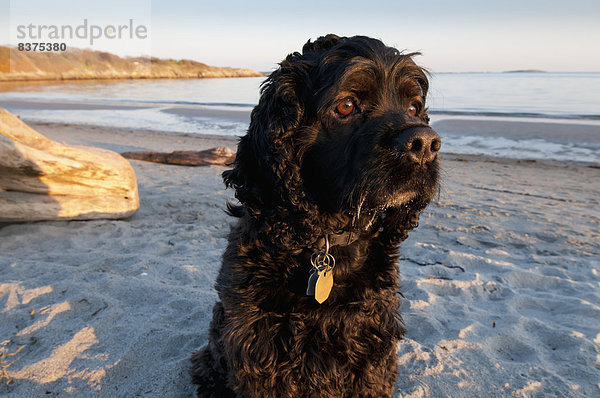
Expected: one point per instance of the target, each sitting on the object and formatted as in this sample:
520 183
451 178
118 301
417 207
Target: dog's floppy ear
264 168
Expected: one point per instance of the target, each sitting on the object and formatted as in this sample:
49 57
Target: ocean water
537 95
569 103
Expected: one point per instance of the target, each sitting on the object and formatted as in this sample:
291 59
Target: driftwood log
44 180
215 156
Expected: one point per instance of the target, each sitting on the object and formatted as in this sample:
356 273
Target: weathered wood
214 156
44 180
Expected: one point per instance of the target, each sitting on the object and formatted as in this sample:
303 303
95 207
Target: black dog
337 163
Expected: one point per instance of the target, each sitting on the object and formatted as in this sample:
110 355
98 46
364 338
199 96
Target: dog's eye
345 107
412 110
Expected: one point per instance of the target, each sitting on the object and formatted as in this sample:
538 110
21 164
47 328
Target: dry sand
114 308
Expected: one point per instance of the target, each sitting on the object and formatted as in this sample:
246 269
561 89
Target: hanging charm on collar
320 281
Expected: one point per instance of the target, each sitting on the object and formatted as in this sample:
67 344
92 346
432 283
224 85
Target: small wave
539 149
189 103
130 101
514 114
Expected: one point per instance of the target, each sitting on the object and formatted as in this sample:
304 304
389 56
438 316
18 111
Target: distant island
77 64
525 71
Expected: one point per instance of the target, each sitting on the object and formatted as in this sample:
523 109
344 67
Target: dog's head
340 130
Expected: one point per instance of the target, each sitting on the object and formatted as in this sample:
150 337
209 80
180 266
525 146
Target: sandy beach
501 280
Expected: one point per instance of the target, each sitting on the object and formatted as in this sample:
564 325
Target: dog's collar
346 238
341 239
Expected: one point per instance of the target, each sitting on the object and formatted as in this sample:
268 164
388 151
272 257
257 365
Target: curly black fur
304 170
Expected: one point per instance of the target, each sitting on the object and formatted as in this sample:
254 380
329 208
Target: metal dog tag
323 285
320 281
312 281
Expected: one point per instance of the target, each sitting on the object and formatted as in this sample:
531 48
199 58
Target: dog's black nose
421 144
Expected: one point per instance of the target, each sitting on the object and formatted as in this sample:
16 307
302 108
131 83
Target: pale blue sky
460 35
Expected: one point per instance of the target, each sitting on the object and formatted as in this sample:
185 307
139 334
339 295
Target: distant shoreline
76 64
525 71
85 78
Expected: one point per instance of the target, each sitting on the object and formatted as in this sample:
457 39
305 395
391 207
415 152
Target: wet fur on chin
303 172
